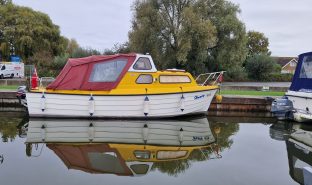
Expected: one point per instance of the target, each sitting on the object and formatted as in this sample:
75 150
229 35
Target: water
218 151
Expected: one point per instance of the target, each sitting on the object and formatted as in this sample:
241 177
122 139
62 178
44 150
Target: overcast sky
102 23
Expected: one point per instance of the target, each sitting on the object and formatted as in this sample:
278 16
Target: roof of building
282 61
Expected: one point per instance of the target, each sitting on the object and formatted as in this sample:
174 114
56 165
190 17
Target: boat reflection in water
128 148
299 150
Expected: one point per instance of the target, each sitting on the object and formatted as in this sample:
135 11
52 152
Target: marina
243 150
152 92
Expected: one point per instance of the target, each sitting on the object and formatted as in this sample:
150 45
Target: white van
11 69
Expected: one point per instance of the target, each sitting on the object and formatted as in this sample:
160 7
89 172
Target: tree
5 2
260 67
72 45
169 30
257 43
24 32
230 49
198 35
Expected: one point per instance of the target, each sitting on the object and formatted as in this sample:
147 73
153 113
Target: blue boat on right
297 102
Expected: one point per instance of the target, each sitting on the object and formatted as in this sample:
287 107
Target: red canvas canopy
83 73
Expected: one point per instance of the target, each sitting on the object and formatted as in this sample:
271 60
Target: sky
100 24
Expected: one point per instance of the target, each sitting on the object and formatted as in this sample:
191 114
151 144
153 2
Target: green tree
24 32
261 67
170 30
257 43
72 45
198 35
8 128
230 49
59 61
5 2
222 133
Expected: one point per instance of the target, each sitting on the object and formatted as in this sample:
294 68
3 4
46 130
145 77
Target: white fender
146 106
181 135
91 132
43 132
91 105
145 132
182 103
43 102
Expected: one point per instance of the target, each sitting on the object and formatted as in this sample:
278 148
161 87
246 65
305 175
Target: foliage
25 32
73 51
5 2
222 133
8 128
72 45
257 43
179 33
43 61
118 48
230 49
260 67
236 73
223 136
278 77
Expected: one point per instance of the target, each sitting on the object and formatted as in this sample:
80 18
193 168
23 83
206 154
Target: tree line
196 35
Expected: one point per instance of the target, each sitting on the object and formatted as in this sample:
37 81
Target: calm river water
213 150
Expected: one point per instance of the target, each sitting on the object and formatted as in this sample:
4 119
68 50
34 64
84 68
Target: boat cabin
125 71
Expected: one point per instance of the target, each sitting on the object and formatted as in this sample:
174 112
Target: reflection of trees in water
222 132
172 168
9 128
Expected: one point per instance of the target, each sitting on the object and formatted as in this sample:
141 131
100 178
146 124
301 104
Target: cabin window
107 71
3 67
306 68
139 168
144 79
142 64
97 161
142 154
162 155
174 79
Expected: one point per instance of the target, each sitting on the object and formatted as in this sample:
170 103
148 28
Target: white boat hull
302 104
194 132
165 105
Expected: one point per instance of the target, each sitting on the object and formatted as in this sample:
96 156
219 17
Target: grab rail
212 78
45 80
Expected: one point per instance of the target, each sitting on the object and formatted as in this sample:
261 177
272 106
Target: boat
297 103
299 151
119 86
125 148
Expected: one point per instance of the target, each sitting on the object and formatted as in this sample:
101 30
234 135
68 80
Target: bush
260 67
278 77
236 74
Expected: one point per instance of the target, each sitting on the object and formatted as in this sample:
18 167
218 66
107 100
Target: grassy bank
252 93
8 87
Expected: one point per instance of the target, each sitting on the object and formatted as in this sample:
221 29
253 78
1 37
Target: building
288 64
